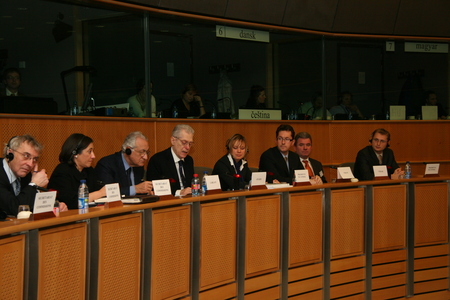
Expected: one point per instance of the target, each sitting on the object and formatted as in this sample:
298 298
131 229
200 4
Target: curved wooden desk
361 240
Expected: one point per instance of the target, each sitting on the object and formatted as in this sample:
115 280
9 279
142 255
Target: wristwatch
32 184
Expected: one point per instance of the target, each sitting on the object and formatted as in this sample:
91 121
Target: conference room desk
365 240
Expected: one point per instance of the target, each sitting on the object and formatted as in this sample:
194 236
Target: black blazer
317 168
110 169
226 173
366 159
162 166
9 202
65 180
272 162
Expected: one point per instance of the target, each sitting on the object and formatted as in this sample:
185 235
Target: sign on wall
242 34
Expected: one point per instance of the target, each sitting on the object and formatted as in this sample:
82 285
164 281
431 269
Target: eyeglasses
184 142
280 139
142 152
28 156
379 141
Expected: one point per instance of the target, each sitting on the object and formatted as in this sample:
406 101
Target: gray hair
130 140
177 130
18 140
302 135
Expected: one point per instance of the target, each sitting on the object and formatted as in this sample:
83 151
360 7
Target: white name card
44 202
344 173
432 169
301 175
213 182
259 114
429 112
162 187
380 171
397 112
259 178
112 192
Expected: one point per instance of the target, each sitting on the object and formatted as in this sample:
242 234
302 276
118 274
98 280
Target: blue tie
16 186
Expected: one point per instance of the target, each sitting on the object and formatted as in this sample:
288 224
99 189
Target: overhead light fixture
61 30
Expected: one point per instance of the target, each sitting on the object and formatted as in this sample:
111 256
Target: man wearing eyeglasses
175 163
11 80
279 162
19 174
377 153
126 167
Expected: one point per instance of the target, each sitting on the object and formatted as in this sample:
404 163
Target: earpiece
127 151
75 151
10 155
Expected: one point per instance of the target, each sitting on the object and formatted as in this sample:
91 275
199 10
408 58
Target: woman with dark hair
232 168
257 98
77 154
190 104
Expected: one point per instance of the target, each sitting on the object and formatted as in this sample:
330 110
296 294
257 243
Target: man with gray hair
126 167
303 147
19 174
175 163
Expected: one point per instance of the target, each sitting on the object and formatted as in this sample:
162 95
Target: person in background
314 108
76 156
137 102
303 147
431 100
190 104
232 168
126 167
377 153
346 107
257 98
175 163
279 162
11 80
20 176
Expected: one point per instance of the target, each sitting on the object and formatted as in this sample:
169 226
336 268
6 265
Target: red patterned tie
307 167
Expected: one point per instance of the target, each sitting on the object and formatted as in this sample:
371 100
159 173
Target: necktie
16 186
183 179
129 176
307 167
380 158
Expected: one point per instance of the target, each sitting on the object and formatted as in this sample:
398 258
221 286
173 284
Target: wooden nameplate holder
42 216
431 175
343 180
112 204
304 183
381 178
213 192
259 187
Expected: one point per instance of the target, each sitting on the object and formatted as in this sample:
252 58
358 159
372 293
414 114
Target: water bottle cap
83 181
195 175
205 172
407 162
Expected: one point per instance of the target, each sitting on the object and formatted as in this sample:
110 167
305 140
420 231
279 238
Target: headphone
127 151
77 148
10 155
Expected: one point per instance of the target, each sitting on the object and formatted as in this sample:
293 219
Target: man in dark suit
19 175
279 162
11 80
303 147
378 153
174 163
126 167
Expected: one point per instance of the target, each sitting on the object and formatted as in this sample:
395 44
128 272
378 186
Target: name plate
259 114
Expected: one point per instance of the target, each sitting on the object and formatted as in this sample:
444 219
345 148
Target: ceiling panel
310 14
264 11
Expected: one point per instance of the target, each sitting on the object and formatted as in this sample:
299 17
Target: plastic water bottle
195 185
204 188
213 113
83 195
408 170
174 112
74 110
131 112
387 115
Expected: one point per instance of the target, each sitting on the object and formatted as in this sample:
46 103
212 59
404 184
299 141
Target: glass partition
117 55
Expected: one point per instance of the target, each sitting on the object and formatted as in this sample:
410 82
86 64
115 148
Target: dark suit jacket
110 169
317 168
65 180
272 162
9 202
366 159
226 173
162 166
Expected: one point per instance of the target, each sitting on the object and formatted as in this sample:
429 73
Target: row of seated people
20 177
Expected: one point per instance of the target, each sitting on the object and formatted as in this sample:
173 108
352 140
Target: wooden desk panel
12 264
